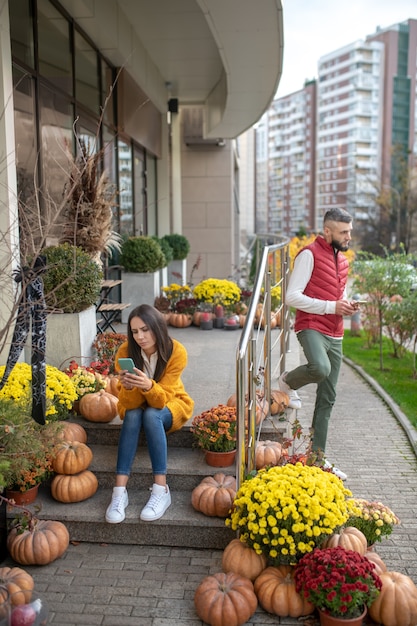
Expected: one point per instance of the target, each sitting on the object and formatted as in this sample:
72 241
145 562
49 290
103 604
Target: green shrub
166 248
179 244
72 280
142 254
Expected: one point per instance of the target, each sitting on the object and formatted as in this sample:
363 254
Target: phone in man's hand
127 364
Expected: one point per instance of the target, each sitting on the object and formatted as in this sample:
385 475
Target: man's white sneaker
295 400
157 504
336 471
115 512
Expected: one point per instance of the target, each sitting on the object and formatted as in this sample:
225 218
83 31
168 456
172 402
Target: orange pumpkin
374 557
396 604
40 544
112 385
74 487
279 402
350 538
72 431
214 495
241 559
262 406
225 599
19 584
71 457
267 453
180 320
275 588
99 406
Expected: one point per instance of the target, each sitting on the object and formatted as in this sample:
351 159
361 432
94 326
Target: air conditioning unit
193 124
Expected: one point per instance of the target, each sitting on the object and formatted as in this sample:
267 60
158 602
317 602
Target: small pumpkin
262 406
350 538
267 453
214 495
275 588
74 487
279 402
113 385
396 604
241 559
71 457
225 599
180 320
71 431
18 582
99 406
40 544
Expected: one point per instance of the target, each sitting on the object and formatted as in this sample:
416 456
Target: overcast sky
313 28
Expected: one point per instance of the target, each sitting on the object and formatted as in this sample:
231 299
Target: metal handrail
255 349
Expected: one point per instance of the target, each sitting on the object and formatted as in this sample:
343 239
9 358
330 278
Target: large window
54 47
21 28
124 151
86 74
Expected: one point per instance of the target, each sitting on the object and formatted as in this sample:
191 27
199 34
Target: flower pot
218 322
220 459
206 325
23 497
330 620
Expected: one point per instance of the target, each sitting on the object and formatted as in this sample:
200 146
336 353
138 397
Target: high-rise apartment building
334 143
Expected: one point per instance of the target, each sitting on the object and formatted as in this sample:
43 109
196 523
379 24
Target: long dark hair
155 321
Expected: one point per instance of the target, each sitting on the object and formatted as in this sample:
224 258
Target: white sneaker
336 471
295 400
116 510
157 504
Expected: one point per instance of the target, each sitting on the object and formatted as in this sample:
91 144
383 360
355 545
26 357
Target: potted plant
277 503
142 259
374 519
221 294
27 447
340 583
85 380
215 432
177 268
72 283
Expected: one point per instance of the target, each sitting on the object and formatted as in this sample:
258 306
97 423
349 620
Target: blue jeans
155 423
324 358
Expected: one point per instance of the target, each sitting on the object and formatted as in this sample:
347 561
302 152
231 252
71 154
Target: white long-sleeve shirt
300 276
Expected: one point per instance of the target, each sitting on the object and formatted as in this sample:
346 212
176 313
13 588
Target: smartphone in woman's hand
127 364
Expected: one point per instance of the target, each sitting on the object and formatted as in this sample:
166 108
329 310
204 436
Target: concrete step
181 525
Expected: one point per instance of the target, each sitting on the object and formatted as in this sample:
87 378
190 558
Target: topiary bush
72 280
141 254
179 244
166 248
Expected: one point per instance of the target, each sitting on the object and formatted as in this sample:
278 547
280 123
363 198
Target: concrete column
9 231
176 174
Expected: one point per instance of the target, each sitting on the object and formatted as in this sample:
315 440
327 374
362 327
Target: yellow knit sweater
168 391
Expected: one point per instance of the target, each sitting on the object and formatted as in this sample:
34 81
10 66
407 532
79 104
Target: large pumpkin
396 604
279 401
112 385
71 431
241 559
19 584
267 453
374 557
225 599
71 458
180 320
275 588
214 495
350 538
75 487
99 406
40 544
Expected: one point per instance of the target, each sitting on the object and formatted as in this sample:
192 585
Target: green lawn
397 376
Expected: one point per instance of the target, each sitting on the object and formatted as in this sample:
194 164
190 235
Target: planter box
70 336
139 289
177 272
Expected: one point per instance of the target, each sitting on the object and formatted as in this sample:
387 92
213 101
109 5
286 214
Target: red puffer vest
327 282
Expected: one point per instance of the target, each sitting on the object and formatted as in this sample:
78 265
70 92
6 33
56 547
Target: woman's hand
137 380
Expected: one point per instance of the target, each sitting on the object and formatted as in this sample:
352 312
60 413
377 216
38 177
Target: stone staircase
181 525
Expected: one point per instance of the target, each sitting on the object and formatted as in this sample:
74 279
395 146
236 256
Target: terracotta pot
329 620
23 497
220 459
